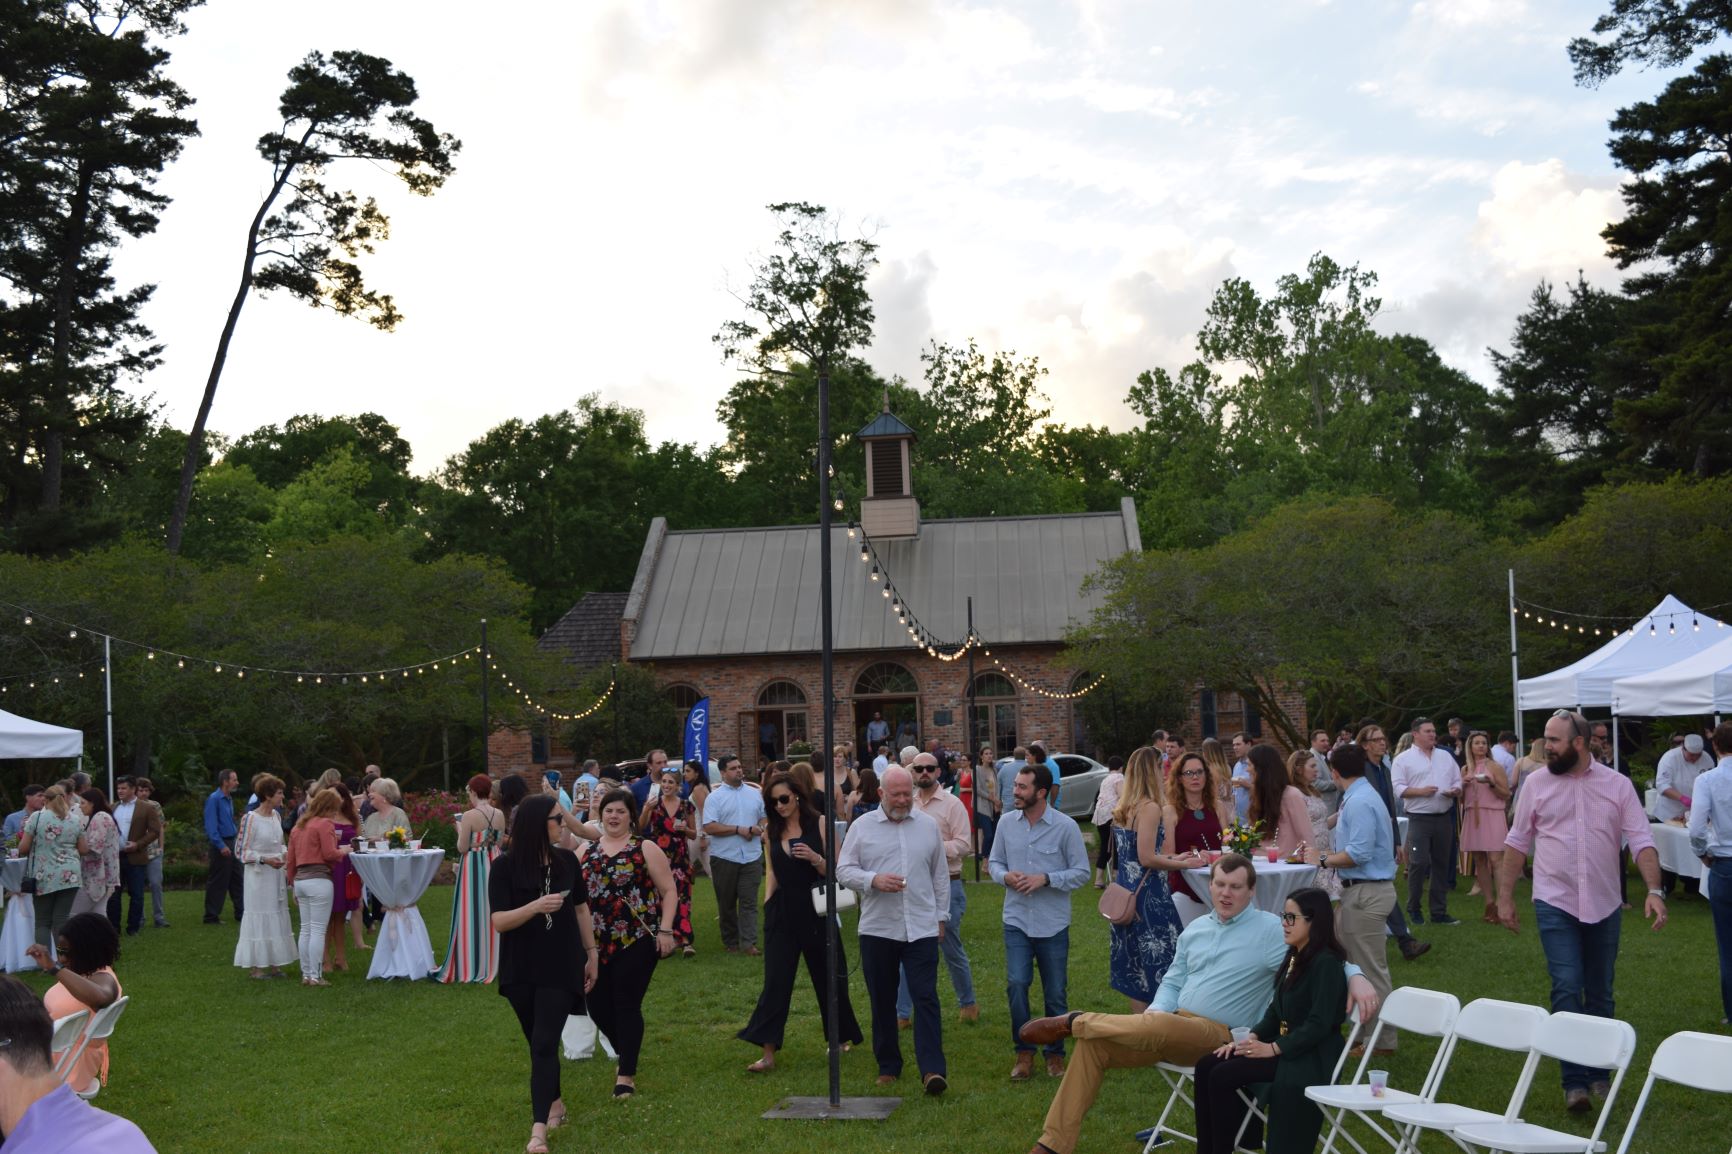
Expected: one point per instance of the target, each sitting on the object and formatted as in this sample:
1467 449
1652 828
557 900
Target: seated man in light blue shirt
1039 858
1222 976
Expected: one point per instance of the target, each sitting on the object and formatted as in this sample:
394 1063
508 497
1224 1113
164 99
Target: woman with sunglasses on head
793 927
1196 814
669 821
633 902
1295 1045
1485 793
540 909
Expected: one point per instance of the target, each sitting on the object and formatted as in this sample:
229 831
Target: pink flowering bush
433 814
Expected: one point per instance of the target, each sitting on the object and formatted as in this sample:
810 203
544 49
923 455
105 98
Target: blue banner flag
698 733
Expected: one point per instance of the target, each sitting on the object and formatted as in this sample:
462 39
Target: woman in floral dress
101 854
1143 948
668 821
52 846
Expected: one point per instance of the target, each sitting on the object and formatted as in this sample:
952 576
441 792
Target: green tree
279 456
1306 597
636 718
1650 33
343 107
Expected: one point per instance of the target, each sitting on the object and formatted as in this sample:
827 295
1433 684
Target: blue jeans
1581 959
955 957
986 823
1021 954
1720 902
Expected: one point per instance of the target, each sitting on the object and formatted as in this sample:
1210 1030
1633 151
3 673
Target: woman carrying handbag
1142 947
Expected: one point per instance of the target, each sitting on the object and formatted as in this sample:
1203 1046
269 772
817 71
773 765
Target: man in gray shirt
1039 858
894 858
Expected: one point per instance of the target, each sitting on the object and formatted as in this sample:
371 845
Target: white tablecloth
1673 844
19 930
1274 883
398 879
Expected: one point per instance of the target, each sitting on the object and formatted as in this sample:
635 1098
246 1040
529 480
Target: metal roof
734 592
885 424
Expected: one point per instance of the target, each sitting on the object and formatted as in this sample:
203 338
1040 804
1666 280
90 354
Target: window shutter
887 469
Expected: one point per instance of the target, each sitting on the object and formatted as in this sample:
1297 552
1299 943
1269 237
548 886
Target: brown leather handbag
1119 905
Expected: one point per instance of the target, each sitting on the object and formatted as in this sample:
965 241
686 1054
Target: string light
555 714
1072 695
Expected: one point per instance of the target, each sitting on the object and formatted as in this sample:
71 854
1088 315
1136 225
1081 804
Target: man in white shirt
894 858
1428 780
947 810
123 808
1675 777
1504 753
1242 777
734 821
882 761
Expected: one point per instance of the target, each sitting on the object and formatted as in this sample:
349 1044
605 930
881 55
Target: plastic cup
1274 855
1241 1034
1379 1082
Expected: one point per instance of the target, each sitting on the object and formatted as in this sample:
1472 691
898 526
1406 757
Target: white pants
314 896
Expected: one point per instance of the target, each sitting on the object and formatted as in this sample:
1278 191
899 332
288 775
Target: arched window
992 717
1079 733
885 679
683 698
886 709
778 722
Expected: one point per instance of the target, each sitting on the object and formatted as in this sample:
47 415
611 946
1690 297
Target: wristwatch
1661 894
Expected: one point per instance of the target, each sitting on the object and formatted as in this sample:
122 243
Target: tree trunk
60 384
195 438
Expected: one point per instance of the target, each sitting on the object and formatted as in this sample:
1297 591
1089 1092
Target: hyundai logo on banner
697 744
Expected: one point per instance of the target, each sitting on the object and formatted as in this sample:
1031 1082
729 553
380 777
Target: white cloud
1541 219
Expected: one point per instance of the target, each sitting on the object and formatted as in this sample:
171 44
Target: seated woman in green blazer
1303 1032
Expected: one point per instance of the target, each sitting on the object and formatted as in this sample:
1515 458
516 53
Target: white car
1079 782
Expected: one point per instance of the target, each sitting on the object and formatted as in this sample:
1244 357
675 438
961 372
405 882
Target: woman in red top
630 887
1196 816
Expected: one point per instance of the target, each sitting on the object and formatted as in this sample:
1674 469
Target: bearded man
1571 820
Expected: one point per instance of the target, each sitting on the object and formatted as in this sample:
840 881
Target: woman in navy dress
1142 949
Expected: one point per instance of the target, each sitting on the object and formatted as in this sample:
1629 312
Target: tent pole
108 705
1615 740
1515 674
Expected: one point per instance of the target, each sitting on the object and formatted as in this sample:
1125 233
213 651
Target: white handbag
846 899
580 1036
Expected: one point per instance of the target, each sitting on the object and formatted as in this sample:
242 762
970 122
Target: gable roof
885 424
734 592
588 634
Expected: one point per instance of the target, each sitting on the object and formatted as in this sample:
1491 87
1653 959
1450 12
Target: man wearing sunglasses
947 810
1571 821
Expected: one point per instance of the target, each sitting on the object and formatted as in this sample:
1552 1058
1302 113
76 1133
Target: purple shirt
60 1120
1574 825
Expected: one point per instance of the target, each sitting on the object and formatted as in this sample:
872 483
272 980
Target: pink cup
1274 856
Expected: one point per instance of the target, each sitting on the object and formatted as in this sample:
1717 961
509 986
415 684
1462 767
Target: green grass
206 1060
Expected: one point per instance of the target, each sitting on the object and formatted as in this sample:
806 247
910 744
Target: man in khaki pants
1365 863
1222 976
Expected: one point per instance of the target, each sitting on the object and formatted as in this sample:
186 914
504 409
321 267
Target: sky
1069 179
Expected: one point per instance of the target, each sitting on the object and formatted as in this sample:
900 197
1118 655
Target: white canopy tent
22 737
1667 635
1700 683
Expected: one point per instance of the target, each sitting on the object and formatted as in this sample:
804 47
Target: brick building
733 615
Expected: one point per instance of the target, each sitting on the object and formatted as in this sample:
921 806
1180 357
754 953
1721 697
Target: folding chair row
71 1039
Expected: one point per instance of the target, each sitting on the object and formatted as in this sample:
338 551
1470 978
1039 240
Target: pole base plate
822 1110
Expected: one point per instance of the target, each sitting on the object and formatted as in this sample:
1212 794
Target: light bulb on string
1671 629
874 573
1652 631
1695 625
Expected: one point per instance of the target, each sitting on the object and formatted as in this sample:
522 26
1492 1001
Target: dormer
889 509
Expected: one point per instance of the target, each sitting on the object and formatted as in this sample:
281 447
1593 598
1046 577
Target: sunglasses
780 798
1578 724
1288 917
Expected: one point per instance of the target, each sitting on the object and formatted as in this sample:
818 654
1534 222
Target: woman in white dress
266 940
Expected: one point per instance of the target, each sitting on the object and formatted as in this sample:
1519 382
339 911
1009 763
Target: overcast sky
1065 179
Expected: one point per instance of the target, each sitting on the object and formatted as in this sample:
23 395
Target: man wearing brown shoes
1222 976
1039 858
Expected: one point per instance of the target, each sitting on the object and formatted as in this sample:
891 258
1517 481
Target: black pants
542 1011
225 878
132 881
616 1002
1104 853
1428 840
882 963
1219 1108
788 937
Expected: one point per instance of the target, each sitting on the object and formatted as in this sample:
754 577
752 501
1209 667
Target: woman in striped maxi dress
473 955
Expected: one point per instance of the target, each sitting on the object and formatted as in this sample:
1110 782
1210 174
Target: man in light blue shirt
1039 858
1242 778
1364 860
1711 840
734 821
1222 976
32 802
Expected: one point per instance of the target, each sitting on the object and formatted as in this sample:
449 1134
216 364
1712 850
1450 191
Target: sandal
536 1146
555 1121
623 1089
690 953
761 1066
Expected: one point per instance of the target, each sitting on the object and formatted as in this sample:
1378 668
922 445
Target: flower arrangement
1243 838
397 837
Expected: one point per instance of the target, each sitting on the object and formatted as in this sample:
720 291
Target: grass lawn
206 1060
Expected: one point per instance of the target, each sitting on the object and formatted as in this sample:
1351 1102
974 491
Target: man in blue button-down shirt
1039 858
219 831
1364 860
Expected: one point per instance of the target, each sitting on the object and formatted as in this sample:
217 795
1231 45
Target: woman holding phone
539 906
1295 1045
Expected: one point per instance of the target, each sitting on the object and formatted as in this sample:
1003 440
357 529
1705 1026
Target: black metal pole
613 680
486 675
968 740
832 931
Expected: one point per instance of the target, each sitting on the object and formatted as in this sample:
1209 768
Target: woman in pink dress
1276 803
1485 791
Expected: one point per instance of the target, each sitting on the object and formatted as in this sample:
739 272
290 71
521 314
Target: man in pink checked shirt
1571 820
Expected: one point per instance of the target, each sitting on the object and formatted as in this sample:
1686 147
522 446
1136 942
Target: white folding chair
1426 1013
1254 1110
101 1026
1177 1078
1489 1022
1700 1061
1605 1043
66 1033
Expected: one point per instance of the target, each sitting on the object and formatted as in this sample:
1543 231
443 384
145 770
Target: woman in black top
792 926
1295 1045
541 910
